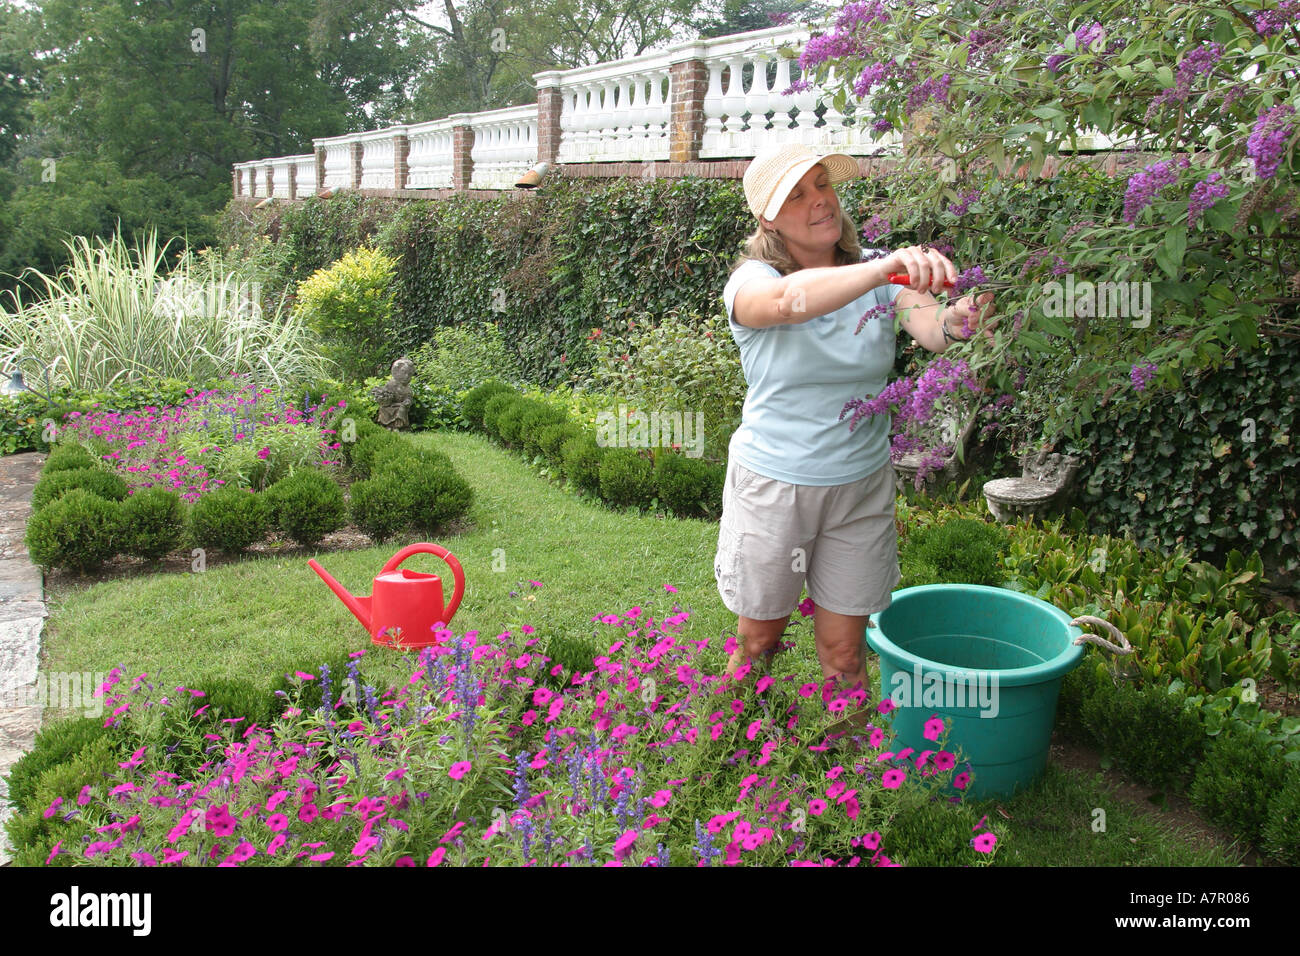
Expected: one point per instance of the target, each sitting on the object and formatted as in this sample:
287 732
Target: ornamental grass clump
116 314
647 756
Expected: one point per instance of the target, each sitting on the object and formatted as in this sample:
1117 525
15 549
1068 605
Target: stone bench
1043 479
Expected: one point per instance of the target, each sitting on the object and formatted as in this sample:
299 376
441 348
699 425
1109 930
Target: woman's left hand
972 314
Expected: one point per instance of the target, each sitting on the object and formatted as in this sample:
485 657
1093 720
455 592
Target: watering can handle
1124 647
424 547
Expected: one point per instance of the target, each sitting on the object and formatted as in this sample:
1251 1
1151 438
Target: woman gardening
806 498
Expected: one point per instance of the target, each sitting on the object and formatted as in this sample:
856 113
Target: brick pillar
689 82
270 181
401 152
550 104
293 181
237 176
462 144
354 150
320 169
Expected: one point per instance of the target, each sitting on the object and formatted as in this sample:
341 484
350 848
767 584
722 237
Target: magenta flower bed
490 753
145 444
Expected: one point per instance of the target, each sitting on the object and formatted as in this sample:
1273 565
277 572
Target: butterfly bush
492 754
1208 101
214 437
913 404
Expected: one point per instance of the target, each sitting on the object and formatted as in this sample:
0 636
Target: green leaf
1183 292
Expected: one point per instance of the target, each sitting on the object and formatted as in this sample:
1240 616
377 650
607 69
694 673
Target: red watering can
405 601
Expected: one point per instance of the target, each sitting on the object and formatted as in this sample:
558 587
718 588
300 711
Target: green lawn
260 617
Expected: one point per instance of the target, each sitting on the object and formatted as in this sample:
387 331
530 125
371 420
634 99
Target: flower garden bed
161 485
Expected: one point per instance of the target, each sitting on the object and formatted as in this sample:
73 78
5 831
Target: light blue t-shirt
799 378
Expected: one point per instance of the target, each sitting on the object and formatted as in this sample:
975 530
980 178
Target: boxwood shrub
78 531
1234 783
229 519
531 424
551 439
306 506
476 401
97 481
153 523
582 458
685 485
66 457
496 407
626 478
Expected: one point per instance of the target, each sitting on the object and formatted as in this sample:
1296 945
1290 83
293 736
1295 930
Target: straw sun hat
776 170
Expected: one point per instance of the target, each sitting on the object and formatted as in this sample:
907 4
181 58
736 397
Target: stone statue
394 397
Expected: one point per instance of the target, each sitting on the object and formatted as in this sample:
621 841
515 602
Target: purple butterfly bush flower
968 279
1143 186
1084 36
936 89
1269 22
1141 376
878 311
959 208
1204 195
1272 129
873 75
863 14
882 126
875 228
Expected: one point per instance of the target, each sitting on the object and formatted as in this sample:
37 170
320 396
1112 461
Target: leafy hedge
1210 467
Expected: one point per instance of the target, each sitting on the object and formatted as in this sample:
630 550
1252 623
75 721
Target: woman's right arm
803 295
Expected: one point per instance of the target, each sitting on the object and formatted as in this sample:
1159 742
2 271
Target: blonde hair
766 246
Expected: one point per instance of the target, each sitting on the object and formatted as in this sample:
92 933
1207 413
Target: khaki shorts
774 535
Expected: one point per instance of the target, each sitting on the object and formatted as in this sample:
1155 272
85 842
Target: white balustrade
505 146
280 168
246 184
338 160
305 175
616 112
727 134
378 157
429 163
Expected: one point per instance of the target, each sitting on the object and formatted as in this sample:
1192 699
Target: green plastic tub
988 660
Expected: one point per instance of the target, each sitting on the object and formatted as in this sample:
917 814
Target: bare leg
841 647
758 641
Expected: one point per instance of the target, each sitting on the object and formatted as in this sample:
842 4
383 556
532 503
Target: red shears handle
900 278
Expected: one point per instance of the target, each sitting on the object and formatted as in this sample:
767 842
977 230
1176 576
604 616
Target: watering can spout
360 606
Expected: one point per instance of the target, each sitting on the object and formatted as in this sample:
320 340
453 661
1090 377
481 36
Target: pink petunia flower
985 842
893 779
816 807
933 729
459 769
